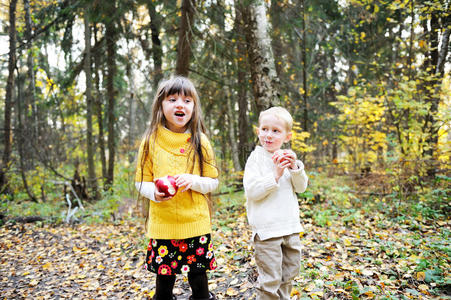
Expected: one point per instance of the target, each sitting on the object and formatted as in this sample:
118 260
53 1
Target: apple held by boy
166 185
280 154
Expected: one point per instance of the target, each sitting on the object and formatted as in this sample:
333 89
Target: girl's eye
171 99
187 100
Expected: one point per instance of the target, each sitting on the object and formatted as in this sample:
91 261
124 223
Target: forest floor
354 257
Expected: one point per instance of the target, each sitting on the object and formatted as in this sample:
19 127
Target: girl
178 226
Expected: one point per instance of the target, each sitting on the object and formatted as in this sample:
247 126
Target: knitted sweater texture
187 213
272 207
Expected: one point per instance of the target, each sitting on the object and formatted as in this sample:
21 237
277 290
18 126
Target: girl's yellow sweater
187 214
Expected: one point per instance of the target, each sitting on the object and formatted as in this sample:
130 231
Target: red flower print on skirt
169 257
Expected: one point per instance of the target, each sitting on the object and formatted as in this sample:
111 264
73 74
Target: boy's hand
286 155
291 156
185 180
281 164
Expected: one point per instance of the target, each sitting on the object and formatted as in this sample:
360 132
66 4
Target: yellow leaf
34 282
347 242
292 76
47 266
127 266
421 276
317 294
423 288
370 294
294 292
231 292
301 91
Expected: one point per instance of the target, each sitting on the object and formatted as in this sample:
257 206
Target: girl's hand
160 196
185 180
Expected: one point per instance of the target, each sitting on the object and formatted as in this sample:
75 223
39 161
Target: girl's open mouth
179 114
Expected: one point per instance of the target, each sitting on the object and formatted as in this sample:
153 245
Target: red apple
280 153
166 185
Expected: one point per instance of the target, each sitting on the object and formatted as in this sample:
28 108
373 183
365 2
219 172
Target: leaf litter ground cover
366 257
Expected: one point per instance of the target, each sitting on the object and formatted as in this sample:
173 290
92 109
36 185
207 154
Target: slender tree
32 124
157 50
4 185
243 120
92 181
261 61
185 38
98 105
111 38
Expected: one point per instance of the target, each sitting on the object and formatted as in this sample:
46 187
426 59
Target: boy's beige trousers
278 262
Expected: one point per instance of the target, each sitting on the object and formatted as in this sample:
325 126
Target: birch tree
261 60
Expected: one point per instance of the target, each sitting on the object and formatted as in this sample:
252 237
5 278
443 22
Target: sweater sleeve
204 185
299 178
146 189
257 184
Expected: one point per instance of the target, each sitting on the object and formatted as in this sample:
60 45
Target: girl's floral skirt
168 257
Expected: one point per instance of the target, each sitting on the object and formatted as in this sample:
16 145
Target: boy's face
272 133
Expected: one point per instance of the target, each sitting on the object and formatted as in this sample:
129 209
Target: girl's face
272 133
178 110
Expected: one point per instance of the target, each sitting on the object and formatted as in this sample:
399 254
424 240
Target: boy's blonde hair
280 113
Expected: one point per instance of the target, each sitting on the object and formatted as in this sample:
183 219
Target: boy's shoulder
258 154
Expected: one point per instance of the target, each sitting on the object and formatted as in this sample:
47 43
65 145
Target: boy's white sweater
272 208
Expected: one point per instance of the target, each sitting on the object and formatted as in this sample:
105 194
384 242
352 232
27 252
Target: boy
271 178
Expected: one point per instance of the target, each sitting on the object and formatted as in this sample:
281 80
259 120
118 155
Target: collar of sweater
260 150
176 143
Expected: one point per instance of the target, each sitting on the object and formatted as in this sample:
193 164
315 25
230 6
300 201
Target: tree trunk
98 108
4 184
185 38
434 66
20 140
261 61
110 33
232 136
157 50
243 119
131 111
92 181
32 124
277 46
304 69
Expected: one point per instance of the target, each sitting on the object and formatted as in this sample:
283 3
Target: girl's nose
179 102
